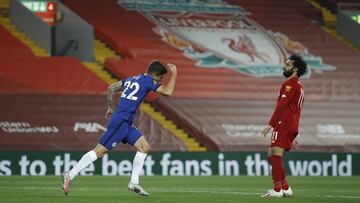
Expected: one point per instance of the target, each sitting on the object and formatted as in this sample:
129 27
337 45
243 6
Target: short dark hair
300 64
157 68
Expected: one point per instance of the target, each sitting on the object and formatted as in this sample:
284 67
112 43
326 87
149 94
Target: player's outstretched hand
109 113
172 68
295 144
266 130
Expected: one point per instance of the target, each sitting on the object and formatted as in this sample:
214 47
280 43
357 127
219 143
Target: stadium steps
328 17
190 142
4 7
98 70
35 48
330 24
101 52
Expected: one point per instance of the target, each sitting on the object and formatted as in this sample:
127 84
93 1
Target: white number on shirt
135 86
274 136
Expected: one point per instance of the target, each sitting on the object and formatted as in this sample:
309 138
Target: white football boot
288 192
66 182
273 193
137 189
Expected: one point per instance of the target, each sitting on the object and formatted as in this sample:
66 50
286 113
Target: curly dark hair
300 64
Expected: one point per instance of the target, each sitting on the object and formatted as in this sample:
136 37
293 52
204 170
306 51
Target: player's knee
145 148
100 154
277 151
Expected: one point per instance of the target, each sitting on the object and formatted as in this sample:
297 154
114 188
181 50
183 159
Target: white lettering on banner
317 168
58 163
25 127
179 168
261 167
89 127
5 168
125 167
37 167
207 23
243 130
14 124
111 168
23 163
228 167
334 131
251 164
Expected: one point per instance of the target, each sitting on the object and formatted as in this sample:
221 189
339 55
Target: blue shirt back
135 90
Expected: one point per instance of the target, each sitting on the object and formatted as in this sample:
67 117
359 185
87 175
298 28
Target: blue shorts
119 130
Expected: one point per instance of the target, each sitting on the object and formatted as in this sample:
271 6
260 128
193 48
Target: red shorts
282 138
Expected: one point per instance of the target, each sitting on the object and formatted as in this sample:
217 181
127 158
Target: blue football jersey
135 90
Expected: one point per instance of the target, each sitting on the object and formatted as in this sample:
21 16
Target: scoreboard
42 8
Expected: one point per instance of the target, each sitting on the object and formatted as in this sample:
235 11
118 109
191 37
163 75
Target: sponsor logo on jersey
287 88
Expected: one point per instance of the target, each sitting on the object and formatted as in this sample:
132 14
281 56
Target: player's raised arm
168 88
113 89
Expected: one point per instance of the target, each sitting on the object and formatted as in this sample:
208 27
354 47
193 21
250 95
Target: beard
288 73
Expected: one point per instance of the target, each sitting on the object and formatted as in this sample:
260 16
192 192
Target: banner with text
182 164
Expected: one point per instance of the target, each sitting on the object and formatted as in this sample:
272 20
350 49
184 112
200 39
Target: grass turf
208 189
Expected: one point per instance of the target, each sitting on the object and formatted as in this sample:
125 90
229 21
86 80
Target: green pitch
101 189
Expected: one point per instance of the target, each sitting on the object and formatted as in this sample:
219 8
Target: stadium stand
54 75
235 125
56 103
67 123
202 96
12 46
23 73
143 44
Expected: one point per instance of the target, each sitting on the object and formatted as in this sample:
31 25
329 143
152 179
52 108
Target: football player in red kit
284 124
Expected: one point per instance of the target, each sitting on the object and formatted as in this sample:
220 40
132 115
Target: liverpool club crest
216 34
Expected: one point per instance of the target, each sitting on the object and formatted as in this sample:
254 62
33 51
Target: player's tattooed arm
112 90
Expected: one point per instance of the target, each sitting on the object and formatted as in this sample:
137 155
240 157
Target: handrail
71 44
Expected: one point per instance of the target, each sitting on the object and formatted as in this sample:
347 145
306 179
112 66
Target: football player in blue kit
120 121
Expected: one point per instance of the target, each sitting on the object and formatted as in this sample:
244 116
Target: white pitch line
179 190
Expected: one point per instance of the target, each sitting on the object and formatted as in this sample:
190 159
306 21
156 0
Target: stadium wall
347 27
181 164
34 27
72 27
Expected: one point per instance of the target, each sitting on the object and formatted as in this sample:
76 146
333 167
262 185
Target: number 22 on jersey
133 87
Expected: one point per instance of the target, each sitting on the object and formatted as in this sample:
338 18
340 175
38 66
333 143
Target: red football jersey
288 106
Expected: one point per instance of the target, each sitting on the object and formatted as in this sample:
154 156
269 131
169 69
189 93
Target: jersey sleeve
153 86
287 93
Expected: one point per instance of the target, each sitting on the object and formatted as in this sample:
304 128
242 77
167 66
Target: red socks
278 172
285 184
